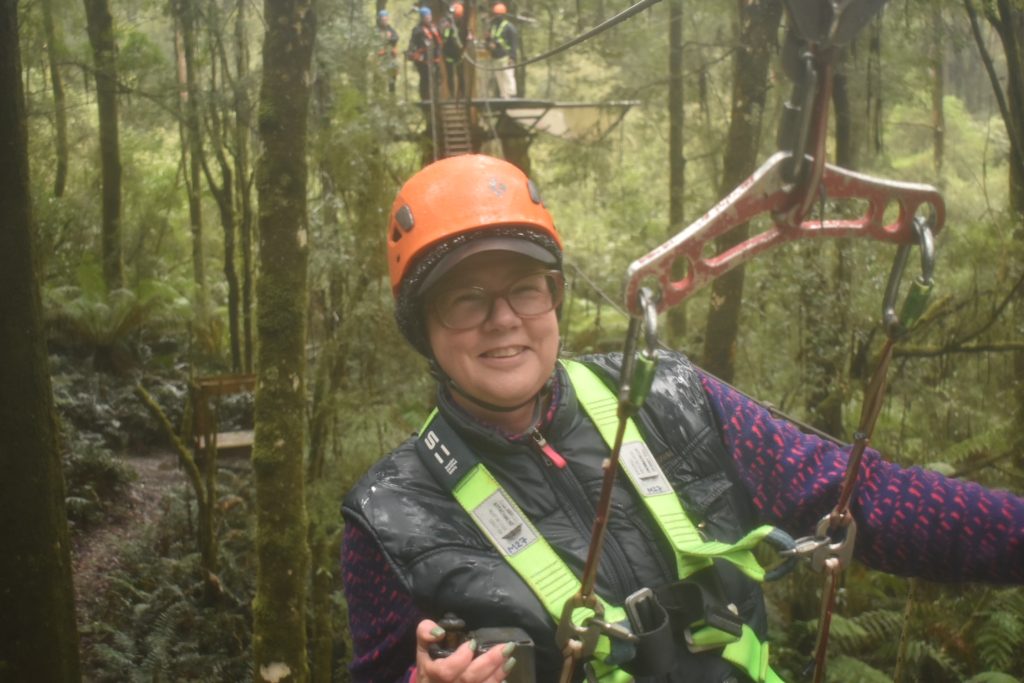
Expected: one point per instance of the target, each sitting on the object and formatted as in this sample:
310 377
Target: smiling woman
495 333
483 520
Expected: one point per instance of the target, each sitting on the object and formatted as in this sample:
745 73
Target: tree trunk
101 37
515 143
243 193
55 51
279 629
224 194
936 58
758 24
191 143
220 132
38 637
676 154
873 101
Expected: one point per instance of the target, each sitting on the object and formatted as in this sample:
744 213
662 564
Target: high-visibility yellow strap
693 553
749 654
498 516
512 533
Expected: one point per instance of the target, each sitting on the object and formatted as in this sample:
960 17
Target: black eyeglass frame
556 286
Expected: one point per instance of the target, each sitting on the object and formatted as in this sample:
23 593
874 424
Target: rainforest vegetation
197 189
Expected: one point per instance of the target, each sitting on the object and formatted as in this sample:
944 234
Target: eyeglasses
532 295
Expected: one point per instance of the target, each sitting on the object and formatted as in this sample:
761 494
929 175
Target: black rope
600 28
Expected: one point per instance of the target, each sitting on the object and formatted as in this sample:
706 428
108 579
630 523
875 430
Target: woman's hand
460 667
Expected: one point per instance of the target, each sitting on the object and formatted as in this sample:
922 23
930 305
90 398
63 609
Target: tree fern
844 669
1000 632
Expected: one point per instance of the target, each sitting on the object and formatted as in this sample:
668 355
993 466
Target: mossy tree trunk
279 629
755 40
104 50
38 637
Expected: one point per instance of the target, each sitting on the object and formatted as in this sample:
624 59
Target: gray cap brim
479 246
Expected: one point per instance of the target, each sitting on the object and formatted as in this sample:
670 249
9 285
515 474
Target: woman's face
504 360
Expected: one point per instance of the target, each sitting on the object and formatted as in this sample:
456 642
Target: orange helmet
499 8
452 209
457 9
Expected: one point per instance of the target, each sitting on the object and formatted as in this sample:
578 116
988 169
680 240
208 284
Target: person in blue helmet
500 486
388 52
425 52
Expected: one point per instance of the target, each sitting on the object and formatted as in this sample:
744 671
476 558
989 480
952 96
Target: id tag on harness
501 521
639 464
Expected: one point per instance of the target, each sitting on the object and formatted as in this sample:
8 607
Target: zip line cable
587 35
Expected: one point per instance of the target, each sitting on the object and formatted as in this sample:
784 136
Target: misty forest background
206 192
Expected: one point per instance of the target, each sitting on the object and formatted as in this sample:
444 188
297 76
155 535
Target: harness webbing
515 537
693 553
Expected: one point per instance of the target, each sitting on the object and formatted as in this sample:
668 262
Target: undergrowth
152 622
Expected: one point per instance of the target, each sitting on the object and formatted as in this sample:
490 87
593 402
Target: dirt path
96 553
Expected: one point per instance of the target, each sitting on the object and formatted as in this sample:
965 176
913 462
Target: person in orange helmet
451 28
502 41
487 512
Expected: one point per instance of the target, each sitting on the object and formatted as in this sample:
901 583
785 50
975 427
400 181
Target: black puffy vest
448 565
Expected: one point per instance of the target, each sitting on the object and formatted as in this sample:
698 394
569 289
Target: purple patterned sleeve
910 521
381 613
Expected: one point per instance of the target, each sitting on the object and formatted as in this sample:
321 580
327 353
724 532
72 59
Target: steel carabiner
897 324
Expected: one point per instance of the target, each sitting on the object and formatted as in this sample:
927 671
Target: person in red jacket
511 462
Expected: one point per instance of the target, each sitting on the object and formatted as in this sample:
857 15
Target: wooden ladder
455 138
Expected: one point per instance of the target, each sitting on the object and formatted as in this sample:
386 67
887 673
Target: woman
475 264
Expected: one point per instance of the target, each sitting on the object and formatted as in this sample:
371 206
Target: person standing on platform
452 50
502 42
388 52
425 52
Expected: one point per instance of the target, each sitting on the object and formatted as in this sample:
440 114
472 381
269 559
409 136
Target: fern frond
843 669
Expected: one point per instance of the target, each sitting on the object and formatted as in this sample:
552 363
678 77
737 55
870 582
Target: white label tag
639 463
501 520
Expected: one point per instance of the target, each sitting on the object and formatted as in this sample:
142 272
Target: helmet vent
534 192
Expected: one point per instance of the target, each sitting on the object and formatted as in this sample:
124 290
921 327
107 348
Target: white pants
506 78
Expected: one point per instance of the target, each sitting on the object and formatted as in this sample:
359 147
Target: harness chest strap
511 533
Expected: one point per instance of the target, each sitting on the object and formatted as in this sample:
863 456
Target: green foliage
843 668
151 623
1000 632
109 325
95 479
